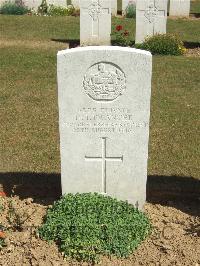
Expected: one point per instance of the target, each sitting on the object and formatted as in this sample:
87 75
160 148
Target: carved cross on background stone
94 10
152 12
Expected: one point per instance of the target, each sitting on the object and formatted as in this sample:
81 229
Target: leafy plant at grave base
164 44
60 11
130 11
121 36
16 8
85 226
43 8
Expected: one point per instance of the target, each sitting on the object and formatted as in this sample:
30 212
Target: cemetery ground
30 165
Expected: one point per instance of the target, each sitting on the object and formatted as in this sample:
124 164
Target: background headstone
104 108
179 8
151 18
34 4
114 7
95 22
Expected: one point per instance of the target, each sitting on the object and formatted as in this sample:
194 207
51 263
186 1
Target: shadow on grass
180 192
196 15
176 191
76 43
72 43
191 45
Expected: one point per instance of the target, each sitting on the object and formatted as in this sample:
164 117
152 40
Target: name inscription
104 120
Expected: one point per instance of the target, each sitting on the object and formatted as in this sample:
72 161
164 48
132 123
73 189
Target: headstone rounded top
104 48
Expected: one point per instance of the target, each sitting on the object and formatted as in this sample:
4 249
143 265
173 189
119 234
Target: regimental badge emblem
104 82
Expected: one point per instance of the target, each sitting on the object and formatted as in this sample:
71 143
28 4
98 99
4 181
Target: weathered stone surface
76 4
95 22
104 108
179 8
151 18
114 7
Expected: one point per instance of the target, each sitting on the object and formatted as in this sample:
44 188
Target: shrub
130 11
60 11
85 226
16 8
165 44
43 8
121 36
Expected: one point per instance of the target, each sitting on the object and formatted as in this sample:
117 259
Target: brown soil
175 240
193 52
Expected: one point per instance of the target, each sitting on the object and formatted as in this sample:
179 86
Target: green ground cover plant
87 225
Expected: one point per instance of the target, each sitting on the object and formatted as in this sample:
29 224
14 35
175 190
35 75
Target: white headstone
104 108
151 18
95 22
76 4
179 8
114 7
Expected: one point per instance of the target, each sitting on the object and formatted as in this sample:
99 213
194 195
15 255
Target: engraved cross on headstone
104 159
152 12
95 10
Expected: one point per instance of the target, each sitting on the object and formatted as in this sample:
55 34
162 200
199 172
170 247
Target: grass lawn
195 6
28 98
47 28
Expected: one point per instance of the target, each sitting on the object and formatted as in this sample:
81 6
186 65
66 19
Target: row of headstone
34 4
177 7
95 20
114 5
